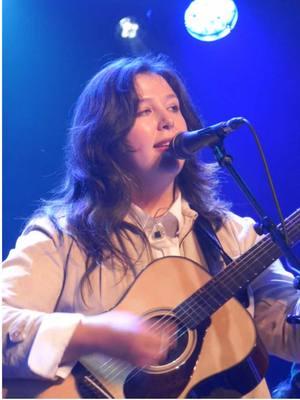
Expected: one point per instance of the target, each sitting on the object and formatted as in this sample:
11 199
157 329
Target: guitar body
221 357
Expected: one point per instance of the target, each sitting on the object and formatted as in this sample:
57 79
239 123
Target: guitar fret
191 316
101 376
237 275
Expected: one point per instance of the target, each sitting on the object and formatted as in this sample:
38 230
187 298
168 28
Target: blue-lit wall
52 47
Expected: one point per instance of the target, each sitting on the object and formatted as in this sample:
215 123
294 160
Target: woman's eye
146 111
174 108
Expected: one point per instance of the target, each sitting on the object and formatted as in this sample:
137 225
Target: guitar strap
214 253
210 245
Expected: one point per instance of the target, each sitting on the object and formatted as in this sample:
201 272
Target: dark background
52 47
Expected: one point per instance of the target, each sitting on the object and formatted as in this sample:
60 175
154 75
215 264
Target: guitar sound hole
168 378
178 335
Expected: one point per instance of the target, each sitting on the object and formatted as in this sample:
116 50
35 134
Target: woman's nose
166 122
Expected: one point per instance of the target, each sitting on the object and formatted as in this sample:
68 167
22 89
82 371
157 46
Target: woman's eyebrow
168 96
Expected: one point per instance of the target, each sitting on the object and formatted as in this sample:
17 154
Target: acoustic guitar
217 353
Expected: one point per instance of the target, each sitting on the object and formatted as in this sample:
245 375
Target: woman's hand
121 335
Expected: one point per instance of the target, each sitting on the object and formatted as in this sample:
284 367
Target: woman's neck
155 203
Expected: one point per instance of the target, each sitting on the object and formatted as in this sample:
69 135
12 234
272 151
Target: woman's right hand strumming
120 335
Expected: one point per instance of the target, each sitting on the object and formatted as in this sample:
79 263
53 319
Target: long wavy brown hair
95 195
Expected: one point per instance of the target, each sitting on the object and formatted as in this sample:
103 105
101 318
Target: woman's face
158 120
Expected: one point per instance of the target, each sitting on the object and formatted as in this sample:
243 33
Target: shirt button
16 336
158 231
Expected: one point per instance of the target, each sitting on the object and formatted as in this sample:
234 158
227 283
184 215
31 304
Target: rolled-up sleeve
34 335
275 298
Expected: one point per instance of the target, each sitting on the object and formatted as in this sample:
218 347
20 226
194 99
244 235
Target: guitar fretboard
236 276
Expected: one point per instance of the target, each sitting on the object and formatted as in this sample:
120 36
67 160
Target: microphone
293 319
185 144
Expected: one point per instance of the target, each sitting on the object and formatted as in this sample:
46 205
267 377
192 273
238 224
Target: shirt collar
144 220
176 209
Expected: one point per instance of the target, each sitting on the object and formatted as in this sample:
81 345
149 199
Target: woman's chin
169 163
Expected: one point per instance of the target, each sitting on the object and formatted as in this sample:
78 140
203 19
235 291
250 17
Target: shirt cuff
53 336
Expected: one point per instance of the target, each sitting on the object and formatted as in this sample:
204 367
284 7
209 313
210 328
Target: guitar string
233 274
266 243
131 376
231 268
228 276
261 245
159 323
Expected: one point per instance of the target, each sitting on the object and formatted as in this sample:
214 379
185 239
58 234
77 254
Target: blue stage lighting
128 28
210 20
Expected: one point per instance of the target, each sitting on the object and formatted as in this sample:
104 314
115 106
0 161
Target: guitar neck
236 276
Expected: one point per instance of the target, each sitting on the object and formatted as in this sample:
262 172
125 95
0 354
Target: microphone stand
265 224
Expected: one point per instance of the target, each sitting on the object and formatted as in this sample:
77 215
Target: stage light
128 28
210 20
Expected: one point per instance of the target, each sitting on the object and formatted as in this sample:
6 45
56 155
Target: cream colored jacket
42 304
